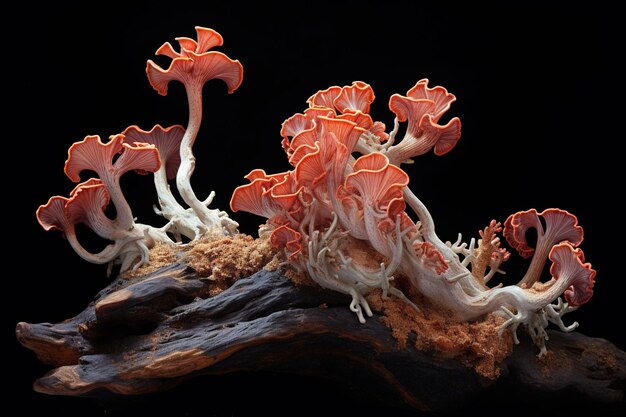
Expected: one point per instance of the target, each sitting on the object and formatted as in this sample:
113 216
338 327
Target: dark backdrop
536 93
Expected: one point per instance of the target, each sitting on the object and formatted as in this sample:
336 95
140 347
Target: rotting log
150 333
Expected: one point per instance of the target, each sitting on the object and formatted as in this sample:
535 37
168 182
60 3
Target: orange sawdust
298 277
550 361
477 344
227 259
273 264
562 358
280 262
160 255
362 253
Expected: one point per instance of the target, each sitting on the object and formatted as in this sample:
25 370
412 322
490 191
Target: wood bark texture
150 333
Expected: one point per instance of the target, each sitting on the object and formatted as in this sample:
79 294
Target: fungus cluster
340 214
166 152
347 194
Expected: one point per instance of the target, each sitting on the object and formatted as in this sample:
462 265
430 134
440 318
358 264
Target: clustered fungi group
345 193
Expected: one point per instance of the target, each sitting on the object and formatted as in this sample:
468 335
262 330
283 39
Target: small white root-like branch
458 277
555 312
207 201
369 142
324 273
397 247
513 322
359 305
329 267
399 294
331 229
494 267
536 322
470 253
392 135
458 247
229 226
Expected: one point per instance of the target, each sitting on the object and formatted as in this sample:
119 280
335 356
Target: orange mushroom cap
265 196
347 99
286 237
356 97
52 215
560 226
423 128
325 98
376 180
438 95
87 205
167 141
563 226
92 154
570 263
334 141
195 64
430 256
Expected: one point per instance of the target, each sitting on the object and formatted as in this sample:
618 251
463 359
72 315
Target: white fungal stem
392 134
209 218
470 254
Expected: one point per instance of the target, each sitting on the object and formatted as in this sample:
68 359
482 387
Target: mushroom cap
305 130
515 228
347 99
334 141
312 168
423 128
285 237
90 181
324 98
356 97
267 196
87 205
52 215
438 95
92 154
396 212
446 135
409 108
377 181
166 140
560 226
295 124
569 263
196 70
422 107
430 256
207 39
195 64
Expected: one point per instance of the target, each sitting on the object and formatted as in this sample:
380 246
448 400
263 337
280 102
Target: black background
536 92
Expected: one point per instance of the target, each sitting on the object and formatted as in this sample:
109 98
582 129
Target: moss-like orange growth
476 344
226 259
161 255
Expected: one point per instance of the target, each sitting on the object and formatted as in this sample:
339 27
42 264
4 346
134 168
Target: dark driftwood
157 331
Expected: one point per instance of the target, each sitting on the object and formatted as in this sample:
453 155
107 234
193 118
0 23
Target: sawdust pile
161 255
227 259
476 344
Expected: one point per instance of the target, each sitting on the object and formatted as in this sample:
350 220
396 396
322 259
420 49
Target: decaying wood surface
150 333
